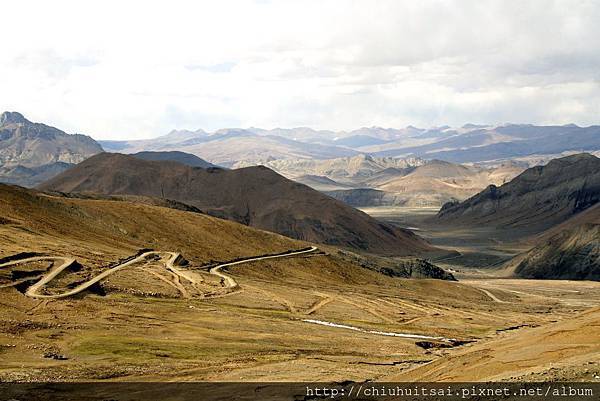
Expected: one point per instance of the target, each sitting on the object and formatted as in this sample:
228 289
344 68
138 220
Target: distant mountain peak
12 117
33 152
471 125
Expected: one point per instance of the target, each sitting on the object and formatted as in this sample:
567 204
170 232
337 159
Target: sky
139 69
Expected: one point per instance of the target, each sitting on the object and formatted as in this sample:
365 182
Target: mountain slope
174 156
31 152
35 221
538 199
431 183
569 251
364 180
255 196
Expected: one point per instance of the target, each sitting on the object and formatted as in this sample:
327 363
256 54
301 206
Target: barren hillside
536 200
569 251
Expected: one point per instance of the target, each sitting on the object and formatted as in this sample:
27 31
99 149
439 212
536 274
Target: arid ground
292 317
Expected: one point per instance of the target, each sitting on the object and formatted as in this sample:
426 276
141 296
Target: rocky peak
12 117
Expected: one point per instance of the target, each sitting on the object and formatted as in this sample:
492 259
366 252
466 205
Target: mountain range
467 144
31 153
229 146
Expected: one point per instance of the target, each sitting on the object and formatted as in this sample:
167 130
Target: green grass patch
137 349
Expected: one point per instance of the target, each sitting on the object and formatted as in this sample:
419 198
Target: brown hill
254 196
534 201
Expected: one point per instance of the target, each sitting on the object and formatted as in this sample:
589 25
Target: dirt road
34 290
231 283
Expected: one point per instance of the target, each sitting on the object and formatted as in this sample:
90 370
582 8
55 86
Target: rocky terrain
254 196
361 197
31 153
398 267
321 183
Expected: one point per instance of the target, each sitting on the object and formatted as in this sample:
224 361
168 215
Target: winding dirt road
226 280
229 282
491 296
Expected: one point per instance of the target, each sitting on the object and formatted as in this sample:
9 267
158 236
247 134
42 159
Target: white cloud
138 69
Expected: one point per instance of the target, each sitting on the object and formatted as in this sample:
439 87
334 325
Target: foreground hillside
111 229
539 354
536 200
31 153
254 196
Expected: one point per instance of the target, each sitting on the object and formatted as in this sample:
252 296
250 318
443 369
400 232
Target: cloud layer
119 70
